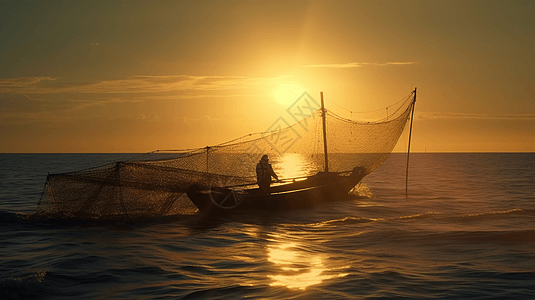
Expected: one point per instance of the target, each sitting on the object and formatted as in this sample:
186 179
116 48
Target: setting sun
287 93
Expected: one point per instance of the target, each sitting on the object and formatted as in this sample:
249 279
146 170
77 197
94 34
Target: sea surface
466 230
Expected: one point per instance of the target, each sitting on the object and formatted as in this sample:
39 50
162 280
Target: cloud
130 85
52 100
360 64
471 116
6 84
81 104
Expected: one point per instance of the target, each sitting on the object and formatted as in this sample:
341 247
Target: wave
344 221
361 190
427 215
360 220
31 286
494 214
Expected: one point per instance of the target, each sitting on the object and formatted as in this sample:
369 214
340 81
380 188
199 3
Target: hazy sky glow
137 76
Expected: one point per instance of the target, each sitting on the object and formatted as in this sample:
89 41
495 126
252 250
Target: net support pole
409 148
323 116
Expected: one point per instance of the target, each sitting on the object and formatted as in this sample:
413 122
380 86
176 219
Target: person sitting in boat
264 172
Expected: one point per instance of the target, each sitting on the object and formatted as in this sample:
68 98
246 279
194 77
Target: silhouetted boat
320 188
316 189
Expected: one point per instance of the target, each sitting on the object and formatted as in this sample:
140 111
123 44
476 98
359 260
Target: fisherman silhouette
264 172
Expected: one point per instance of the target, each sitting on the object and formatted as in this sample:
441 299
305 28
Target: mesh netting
155 185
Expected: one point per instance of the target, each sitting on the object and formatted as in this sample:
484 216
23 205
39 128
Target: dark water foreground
465 231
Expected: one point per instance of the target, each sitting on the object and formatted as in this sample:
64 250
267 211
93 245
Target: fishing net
155 184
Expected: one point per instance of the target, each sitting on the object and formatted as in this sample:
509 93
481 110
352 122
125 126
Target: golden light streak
299 269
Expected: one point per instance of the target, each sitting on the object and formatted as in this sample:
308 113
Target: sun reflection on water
299 269
292 165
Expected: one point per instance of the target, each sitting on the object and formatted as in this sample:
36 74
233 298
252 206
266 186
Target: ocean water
466 230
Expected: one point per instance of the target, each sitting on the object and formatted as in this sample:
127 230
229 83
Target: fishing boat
311 191
221 179
294 193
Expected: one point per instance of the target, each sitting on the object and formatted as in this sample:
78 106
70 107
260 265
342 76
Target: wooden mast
409 148
323 115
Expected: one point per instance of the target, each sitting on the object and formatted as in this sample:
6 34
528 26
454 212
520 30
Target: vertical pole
207 157
323 115
409 148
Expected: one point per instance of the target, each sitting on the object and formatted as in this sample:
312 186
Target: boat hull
315 190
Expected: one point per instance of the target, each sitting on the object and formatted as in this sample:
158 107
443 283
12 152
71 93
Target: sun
287 93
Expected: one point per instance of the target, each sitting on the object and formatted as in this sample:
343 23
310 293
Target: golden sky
137 76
